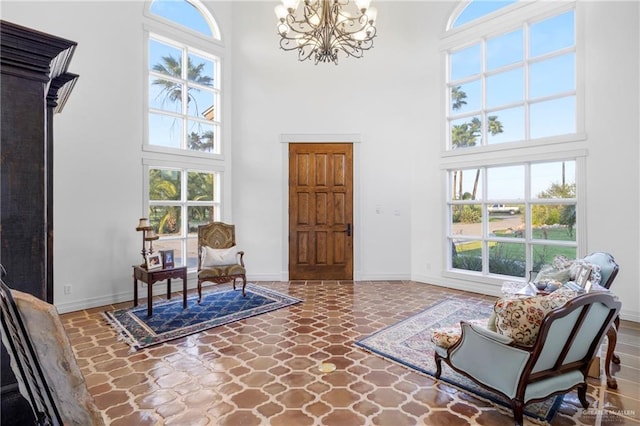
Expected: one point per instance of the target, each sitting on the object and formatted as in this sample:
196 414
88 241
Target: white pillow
217 257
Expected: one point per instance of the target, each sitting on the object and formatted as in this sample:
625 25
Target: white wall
391 97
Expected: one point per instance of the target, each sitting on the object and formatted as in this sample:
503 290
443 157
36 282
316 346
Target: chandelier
323 28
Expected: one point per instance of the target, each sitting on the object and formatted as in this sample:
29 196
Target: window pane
200 70
183 13
477 9
199 215
165 59
466 255
465 132
553 180
552 76
201 103
164 184
467 220
504 183
552 34
505 50
466 184
201 136
506 221
192 252
507 126
200 186
507 259
505 88
555 117
166 219
465 62
544 254
553 222
165 94
165 130
466 97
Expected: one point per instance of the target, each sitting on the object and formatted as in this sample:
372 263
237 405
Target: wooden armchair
557 361
219 260
43 362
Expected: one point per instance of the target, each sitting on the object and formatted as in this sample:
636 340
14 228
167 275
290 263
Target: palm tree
172 90
467 134
200 142
494 127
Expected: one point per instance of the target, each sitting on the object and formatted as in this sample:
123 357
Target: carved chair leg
438 366
518 411
234 283
244 284
582 395
199 291
615 358
612 336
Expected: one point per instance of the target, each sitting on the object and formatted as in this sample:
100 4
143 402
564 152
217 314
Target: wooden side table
155 275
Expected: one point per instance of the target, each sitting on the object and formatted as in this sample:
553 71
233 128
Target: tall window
515 86
511 91
182 154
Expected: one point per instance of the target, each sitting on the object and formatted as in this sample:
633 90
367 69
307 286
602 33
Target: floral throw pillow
521 318
445 337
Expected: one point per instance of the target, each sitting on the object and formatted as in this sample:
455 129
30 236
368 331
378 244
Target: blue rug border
137 344
552 411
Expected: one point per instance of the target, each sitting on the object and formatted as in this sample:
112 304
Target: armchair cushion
221 271
520 318
217 257
564 270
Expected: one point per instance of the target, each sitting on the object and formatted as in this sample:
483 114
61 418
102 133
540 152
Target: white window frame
549 149
184 203
184 159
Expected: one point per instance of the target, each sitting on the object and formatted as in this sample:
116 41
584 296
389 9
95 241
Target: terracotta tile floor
264 370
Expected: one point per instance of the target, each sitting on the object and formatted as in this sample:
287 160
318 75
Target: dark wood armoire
34 85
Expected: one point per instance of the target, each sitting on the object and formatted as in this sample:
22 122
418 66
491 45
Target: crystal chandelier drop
323 28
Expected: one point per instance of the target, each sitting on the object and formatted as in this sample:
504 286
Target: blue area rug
409 343
220 305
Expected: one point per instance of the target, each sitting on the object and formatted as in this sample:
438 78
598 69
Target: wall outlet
67 289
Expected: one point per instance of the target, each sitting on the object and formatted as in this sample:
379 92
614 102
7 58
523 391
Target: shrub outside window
180 200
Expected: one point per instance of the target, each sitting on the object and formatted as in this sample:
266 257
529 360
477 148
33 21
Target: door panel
320 211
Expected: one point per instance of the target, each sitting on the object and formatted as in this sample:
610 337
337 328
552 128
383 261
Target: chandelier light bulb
281 12
290 4
363 4
372 14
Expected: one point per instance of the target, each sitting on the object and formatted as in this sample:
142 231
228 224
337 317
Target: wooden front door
320 211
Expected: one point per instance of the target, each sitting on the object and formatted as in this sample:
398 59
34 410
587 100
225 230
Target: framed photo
154 261
582 277
167 258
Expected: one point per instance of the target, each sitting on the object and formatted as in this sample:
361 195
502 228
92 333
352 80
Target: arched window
183 165
190 15
511 116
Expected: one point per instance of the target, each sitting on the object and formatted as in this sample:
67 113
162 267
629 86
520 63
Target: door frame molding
352 138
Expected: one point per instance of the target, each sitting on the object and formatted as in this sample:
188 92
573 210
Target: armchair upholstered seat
557 361
219 260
